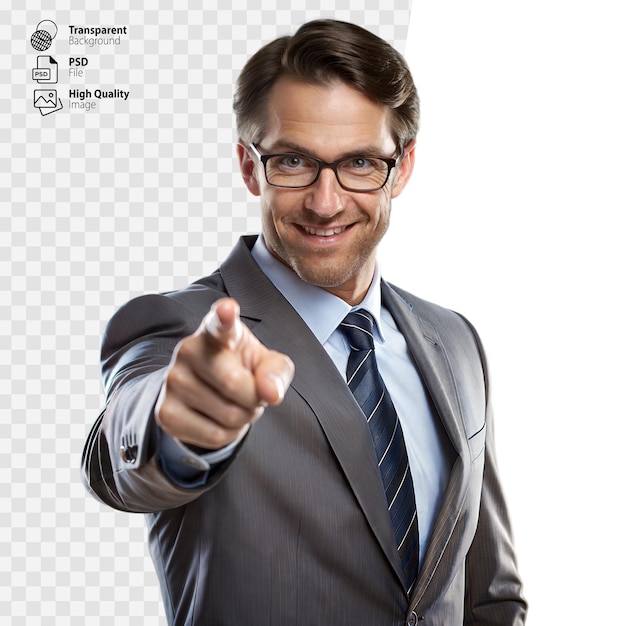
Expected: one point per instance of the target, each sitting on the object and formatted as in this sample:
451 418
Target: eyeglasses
355 173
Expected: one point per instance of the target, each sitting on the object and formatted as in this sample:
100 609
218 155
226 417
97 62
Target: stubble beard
325 269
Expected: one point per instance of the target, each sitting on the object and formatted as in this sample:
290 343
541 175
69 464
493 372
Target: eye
359 163
292 161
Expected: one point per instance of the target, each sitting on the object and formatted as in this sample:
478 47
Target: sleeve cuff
184 466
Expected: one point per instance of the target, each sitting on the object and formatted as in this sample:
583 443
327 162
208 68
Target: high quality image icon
47 101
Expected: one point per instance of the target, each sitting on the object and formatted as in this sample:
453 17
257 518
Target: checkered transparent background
95 208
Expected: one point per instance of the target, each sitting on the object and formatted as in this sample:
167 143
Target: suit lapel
431 361
318 382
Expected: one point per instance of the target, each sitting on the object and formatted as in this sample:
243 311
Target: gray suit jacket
293 529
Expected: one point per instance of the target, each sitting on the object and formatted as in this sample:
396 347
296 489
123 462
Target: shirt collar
321 311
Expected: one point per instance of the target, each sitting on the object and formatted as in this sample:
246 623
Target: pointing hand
220 380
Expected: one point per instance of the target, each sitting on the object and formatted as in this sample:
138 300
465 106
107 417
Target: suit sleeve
120 464
493 585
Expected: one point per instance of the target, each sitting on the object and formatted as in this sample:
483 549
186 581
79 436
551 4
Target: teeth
324 232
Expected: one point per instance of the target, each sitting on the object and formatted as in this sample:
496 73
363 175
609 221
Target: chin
327 275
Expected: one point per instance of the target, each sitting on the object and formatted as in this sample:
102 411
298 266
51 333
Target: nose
325 196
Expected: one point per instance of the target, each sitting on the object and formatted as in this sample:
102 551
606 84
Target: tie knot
358 328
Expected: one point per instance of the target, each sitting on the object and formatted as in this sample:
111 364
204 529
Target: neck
351 296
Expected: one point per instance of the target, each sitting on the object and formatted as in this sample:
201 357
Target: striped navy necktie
370 392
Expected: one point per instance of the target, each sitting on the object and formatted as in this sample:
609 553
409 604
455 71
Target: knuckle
231 381
177 378
232 417
186 349
166 415
219 438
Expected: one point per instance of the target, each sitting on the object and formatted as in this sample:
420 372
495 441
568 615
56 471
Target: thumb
273 376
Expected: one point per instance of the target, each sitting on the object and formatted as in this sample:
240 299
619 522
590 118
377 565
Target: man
237 413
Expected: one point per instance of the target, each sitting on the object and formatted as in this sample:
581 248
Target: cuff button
128 454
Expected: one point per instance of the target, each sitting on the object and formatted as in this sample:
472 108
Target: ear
247 165
405 169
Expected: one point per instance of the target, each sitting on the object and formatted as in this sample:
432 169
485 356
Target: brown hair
322 51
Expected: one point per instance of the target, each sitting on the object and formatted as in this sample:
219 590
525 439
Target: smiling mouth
324 232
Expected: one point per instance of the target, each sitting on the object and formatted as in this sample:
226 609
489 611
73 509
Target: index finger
222 324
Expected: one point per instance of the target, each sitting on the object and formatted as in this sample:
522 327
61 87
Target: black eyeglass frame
264 158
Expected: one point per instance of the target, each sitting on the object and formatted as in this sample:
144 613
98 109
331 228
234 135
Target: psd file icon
47 70
47 101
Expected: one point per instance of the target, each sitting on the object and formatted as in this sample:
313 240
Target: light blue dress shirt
428 447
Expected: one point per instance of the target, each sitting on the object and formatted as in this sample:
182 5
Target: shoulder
177 312
144 332
429 312
438 325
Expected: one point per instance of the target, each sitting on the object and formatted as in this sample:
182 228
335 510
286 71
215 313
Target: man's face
327 235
